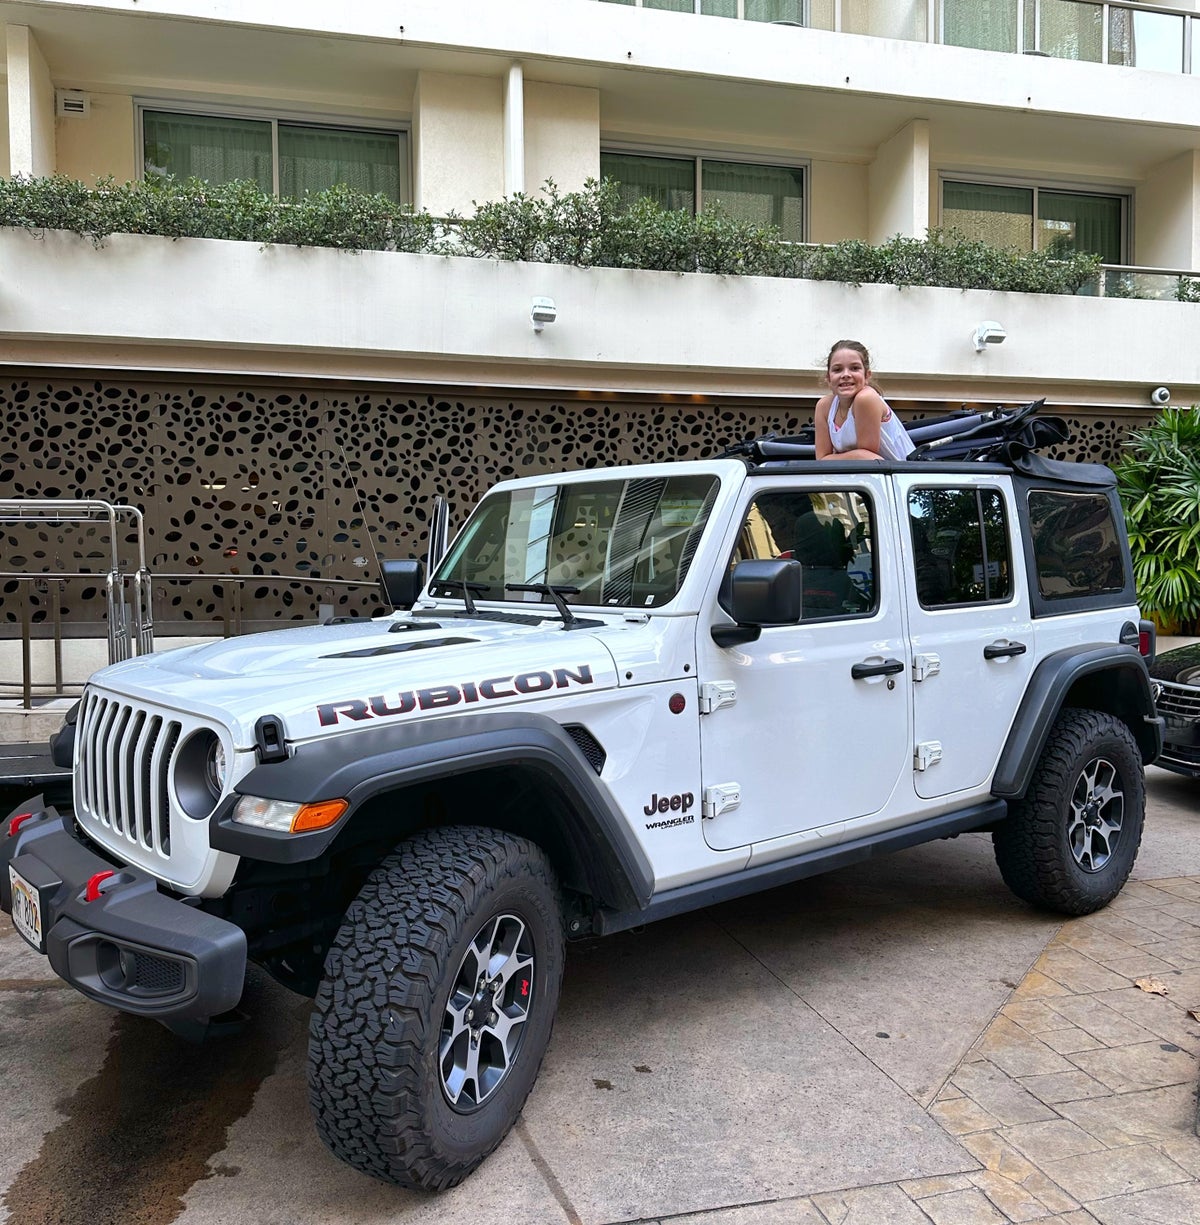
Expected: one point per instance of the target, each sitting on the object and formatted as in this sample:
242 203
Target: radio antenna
362 510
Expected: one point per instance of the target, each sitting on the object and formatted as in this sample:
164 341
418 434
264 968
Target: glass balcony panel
1152 286
1070 30
900 19
673 6
1002 216
718 8
990 26
791 11
761 195
1145 40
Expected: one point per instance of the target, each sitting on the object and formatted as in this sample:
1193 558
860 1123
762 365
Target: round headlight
214 769
201 771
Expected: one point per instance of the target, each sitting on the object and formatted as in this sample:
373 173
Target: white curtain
208 147
315 158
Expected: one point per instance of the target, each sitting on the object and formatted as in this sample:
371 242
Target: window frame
716 154
1124 195
396 128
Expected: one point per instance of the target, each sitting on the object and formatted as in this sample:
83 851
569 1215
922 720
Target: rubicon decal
438 697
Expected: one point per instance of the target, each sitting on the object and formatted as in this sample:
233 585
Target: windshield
627 543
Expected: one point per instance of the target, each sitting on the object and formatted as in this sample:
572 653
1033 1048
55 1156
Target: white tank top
894 442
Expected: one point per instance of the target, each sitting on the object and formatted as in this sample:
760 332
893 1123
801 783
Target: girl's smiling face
847 375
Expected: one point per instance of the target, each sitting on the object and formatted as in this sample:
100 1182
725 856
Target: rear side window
961 550
1076 544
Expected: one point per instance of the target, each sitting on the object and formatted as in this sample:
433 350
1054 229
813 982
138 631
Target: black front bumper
132 947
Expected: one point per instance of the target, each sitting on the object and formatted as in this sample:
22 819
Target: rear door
972 637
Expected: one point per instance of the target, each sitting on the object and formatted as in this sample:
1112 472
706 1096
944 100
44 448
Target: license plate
26 908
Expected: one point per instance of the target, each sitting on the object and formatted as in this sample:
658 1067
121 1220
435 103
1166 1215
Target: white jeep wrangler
623 694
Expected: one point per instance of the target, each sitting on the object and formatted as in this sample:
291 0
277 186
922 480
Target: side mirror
401 582
762 591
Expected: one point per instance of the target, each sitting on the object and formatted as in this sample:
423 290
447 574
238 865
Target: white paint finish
657 330
1167 214
514 130
30 105
898 178
4 166
100 145
562 135
459 142
837 201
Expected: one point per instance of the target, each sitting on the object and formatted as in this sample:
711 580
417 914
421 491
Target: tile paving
1078 1101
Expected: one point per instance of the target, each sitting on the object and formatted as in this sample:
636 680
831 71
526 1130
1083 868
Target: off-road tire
1034 845
375 1072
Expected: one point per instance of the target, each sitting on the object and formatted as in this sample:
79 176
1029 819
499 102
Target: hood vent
394 648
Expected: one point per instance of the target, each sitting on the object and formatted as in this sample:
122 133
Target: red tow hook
92 892
16 823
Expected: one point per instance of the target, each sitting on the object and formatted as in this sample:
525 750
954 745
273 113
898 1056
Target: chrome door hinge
715 694
926 665
927 754
719 798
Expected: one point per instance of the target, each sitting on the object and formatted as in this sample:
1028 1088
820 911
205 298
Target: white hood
324 678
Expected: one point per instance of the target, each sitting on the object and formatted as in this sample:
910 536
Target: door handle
995 651
889 667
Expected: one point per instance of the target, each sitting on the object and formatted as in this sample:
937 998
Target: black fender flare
359 765
1127 696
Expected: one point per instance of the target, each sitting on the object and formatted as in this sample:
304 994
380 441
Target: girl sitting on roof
854 421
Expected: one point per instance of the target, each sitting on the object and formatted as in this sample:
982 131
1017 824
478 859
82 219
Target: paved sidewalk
1078 1101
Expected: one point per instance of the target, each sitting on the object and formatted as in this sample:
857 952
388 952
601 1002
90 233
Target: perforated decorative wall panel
242 484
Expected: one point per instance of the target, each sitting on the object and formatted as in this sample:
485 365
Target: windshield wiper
555 591
467 588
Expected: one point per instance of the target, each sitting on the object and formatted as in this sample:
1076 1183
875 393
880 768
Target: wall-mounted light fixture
544 311
989 332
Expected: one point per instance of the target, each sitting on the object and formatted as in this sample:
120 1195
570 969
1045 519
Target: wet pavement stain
140 1133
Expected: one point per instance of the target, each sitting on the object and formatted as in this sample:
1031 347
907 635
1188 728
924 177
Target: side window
961 547
831 534
1075 543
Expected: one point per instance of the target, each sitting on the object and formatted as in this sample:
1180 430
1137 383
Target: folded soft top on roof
1000 434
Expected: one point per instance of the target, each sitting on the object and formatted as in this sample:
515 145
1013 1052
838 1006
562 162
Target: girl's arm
821 422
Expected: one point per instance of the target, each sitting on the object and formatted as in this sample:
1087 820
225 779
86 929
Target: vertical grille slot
124 771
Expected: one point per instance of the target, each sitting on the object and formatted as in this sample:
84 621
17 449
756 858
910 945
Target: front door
817 732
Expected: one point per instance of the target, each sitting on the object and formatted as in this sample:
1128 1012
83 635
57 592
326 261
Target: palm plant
1159 481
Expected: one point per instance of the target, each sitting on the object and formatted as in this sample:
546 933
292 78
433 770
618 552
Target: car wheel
436 1006
1070 843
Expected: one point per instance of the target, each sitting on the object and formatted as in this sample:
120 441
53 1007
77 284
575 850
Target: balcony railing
1129 34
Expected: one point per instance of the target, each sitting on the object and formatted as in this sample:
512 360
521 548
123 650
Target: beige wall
898 179
4 170
837 205
458 141
1167 215
100 144
30 105
562 135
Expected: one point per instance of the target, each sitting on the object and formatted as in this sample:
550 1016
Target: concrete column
30 106
1167 215
514 130
898 185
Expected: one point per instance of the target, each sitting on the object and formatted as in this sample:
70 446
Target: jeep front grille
1178 701
124 763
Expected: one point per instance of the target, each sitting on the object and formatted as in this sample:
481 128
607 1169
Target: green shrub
586 228
1159 480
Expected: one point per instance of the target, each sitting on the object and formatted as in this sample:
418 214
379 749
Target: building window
762 195
791 12
285 158
1037 218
